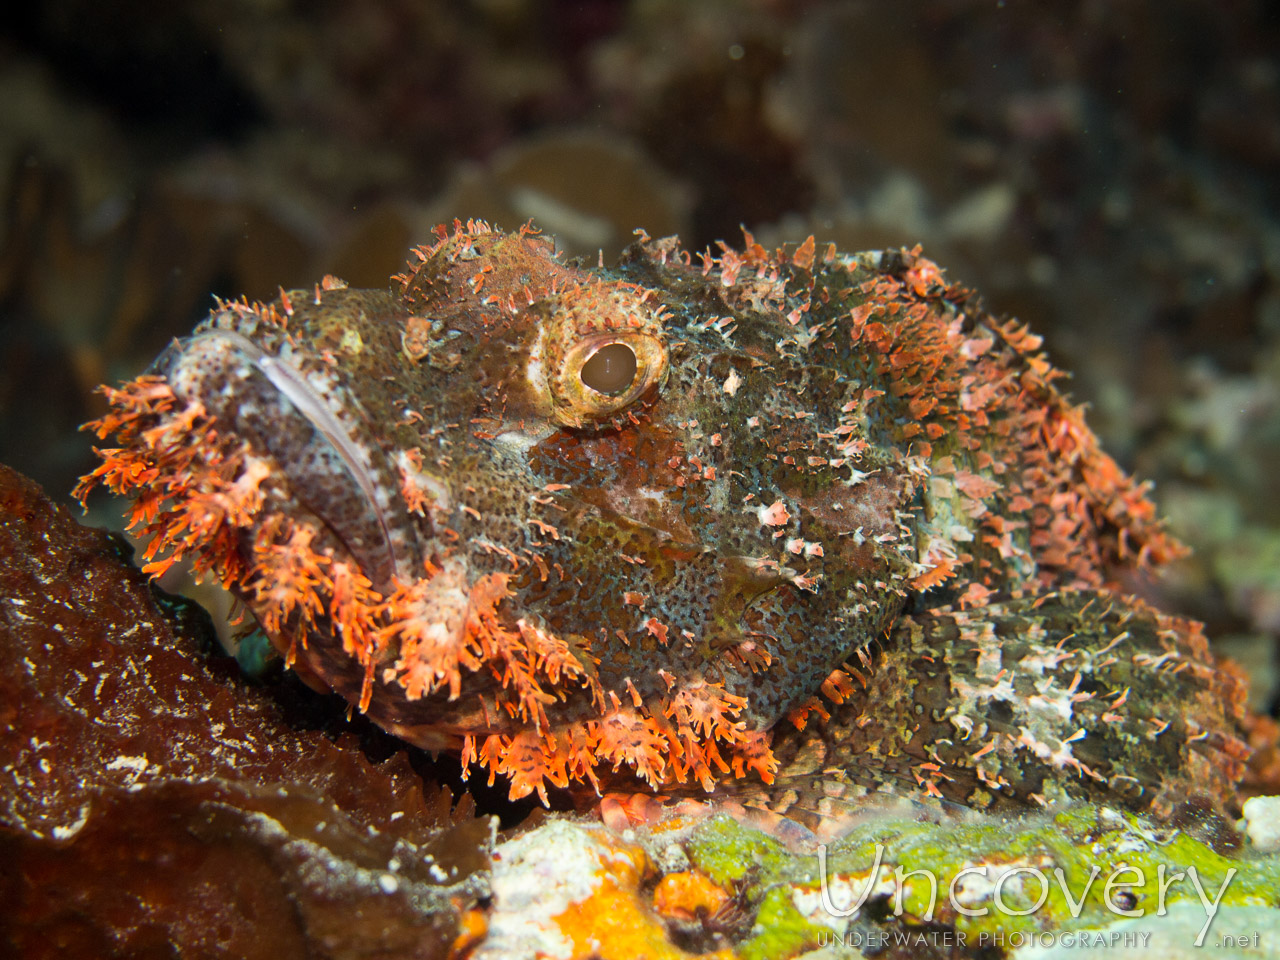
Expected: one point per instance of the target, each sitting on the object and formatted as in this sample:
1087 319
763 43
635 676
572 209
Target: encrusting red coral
148 794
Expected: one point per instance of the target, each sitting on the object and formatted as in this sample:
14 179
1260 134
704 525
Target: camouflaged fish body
571 521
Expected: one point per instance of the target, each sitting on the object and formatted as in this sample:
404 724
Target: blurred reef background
1106 170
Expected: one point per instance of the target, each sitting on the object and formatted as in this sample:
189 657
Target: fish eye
600 352
602 374
610 370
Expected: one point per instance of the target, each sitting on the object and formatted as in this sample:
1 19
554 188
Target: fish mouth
309 430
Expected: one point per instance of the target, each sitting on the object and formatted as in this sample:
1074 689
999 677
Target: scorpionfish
783 526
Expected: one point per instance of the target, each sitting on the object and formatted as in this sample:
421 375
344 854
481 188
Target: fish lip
316 409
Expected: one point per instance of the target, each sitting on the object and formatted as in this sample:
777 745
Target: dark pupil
610 369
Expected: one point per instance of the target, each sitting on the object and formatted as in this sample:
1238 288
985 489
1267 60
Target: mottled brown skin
439 505
933 717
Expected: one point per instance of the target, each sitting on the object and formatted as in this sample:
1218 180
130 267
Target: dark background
1106 170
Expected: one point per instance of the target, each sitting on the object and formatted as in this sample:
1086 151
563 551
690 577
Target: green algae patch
727 851
1084 867
780 930
1081 868
741 857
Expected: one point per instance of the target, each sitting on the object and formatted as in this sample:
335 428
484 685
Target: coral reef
1105 172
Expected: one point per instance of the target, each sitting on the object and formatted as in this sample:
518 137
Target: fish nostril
610 370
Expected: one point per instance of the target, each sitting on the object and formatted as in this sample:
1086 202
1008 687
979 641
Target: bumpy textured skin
839 531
